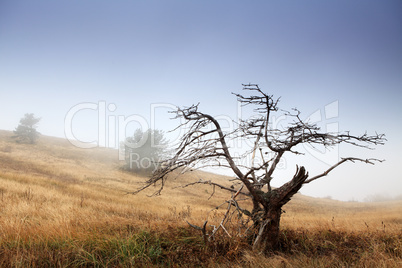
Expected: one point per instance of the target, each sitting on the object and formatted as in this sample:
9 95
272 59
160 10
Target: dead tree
205 143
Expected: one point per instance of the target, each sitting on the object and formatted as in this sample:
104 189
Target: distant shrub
379 198
26 131
144 151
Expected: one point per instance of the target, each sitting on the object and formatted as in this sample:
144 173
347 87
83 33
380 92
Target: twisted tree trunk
267 238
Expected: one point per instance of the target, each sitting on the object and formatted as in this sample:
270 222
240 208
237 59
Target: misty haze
200 133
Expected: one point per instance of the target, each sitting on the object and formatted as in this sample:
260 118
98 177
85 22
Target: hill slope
63 204
91 179
94 175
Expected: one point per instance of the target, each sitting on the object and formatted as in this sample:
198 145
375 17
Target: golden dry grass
65 206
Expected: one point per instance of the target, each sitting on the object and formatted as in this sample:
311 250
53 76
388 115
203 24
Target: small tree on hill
26 131
144 150
206 142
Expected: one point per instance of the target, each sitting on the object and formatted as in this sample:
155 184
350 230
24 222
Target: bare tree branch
343 160
232 190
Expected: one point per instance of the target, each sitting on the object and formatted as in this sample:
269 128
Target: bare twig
202 229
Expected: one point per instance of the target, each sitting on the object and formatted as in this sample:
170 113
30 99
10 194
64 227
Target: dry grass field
61 206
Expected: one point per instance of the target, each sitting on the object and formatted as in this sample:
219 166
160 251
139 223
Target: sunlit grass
65 206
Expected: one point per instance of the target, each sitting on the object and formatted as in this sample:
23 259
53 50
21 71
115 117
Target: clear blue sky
55 55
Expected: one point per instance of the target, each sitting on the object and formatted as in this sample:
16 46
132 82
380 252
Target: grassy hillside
65 206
